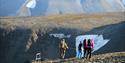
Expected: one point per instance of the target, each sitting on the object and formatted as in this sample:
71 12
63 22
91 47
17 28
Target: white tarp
31 4
98 41
60 35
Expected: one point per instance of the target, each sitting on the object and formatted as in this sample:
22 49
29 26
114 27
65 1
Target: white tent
98 41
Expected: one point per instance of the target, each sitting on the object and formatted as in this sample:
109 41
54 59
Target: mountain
91 6
21 38
56 7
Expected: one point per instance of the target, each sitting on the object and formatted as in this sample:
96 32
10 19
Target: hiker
84 47
80 50
63 47
90 46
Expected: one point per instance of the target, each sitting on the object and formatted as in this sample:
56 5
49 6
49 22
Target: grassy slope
80 21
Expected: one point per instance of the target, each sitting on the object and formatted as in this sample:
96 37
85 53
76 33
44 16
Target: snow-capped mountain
64 7
55 7
90 6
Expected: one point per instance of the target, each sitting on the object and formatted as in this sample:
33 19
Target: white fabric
31 4
98 42
38 56
60 35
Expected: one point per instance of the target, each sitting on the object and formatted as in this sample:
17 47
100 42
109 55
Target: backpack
63 45
89 44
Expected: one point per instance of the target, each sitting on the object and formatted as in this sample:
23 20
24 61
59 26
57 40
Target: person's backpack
61 45
89 44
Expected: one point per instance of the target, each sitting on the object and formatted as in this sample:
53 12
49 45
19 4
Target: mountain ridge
22 37
56 7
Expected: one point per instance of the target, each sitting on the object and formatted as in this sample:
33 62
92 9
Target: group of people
88 46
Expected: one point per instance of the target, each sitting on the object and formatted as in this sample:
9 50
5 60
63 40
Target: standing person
90 47
84 47
80 50
63 47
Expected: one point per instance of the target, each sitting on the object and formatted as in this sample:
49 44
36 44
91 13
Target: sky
123 2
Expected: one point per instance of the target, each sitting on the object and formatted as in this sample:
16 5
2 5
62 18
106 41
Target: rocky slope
117 57
22 37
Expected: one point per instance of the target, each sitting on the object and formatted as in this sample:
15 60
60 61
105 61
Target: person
90 46
63 47
84 47
80 50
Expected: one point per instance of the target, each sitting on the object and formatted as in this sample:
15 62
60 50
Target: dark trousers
89 52
85 50
62 53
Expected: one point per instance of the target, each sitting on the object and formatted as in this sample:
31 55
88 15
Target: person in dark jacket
80 50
